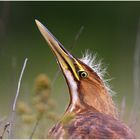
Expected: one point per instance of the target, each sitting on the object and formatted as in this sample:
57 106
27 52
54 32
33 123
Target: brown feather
92 125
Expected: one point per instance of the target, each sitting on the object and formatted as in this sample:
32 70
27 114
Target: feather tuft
91 60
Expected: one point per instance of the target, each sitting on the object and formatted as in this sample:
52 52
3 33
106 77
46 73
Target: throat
73 89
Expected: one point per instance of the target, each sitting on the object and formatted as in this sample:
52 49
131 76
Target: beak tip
36 20
41 27
38 23
45 32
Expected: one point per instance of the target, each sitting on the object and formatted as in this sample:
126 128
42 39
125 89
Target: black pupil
82 74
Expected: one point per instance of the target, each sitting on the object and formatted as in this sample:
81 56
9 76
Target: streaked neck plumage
89 94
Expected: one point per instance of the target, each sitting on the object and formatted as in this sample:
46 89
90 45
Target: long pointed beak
65 59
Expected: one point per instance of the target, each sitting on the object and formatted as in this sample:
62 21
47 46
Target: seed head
23 108
40 107
42 83
28 118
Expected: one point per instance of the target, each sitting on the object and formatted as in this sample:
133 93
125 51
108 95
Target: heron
95 115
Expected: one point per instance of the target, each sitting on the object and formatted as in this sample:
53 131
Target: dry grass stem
4 130
35 126
77 37
15 101
123 107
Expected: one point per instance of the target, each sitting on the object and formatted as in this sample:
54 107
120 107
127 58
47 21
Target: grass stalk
15 101
35 127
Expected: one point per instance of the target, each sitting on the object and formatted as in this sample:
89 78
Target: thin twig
4 130
71 48
15 100
77 37
123 107
35 126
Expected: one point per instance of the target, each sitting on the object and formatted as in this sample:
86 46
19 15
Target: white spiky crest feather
91 60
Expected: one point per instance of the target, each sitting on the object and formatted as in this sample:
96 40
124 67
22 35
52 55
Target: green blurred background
110 30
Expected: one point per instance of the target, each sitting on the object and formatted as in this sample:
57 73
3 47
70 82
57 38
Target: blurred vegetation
109 30
41 109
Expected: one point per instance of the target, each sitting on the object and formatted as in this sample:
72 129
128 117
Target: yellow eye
83 74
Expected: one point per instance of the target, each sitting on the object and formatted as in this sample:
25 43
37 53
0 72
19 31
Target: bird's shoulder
92 125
